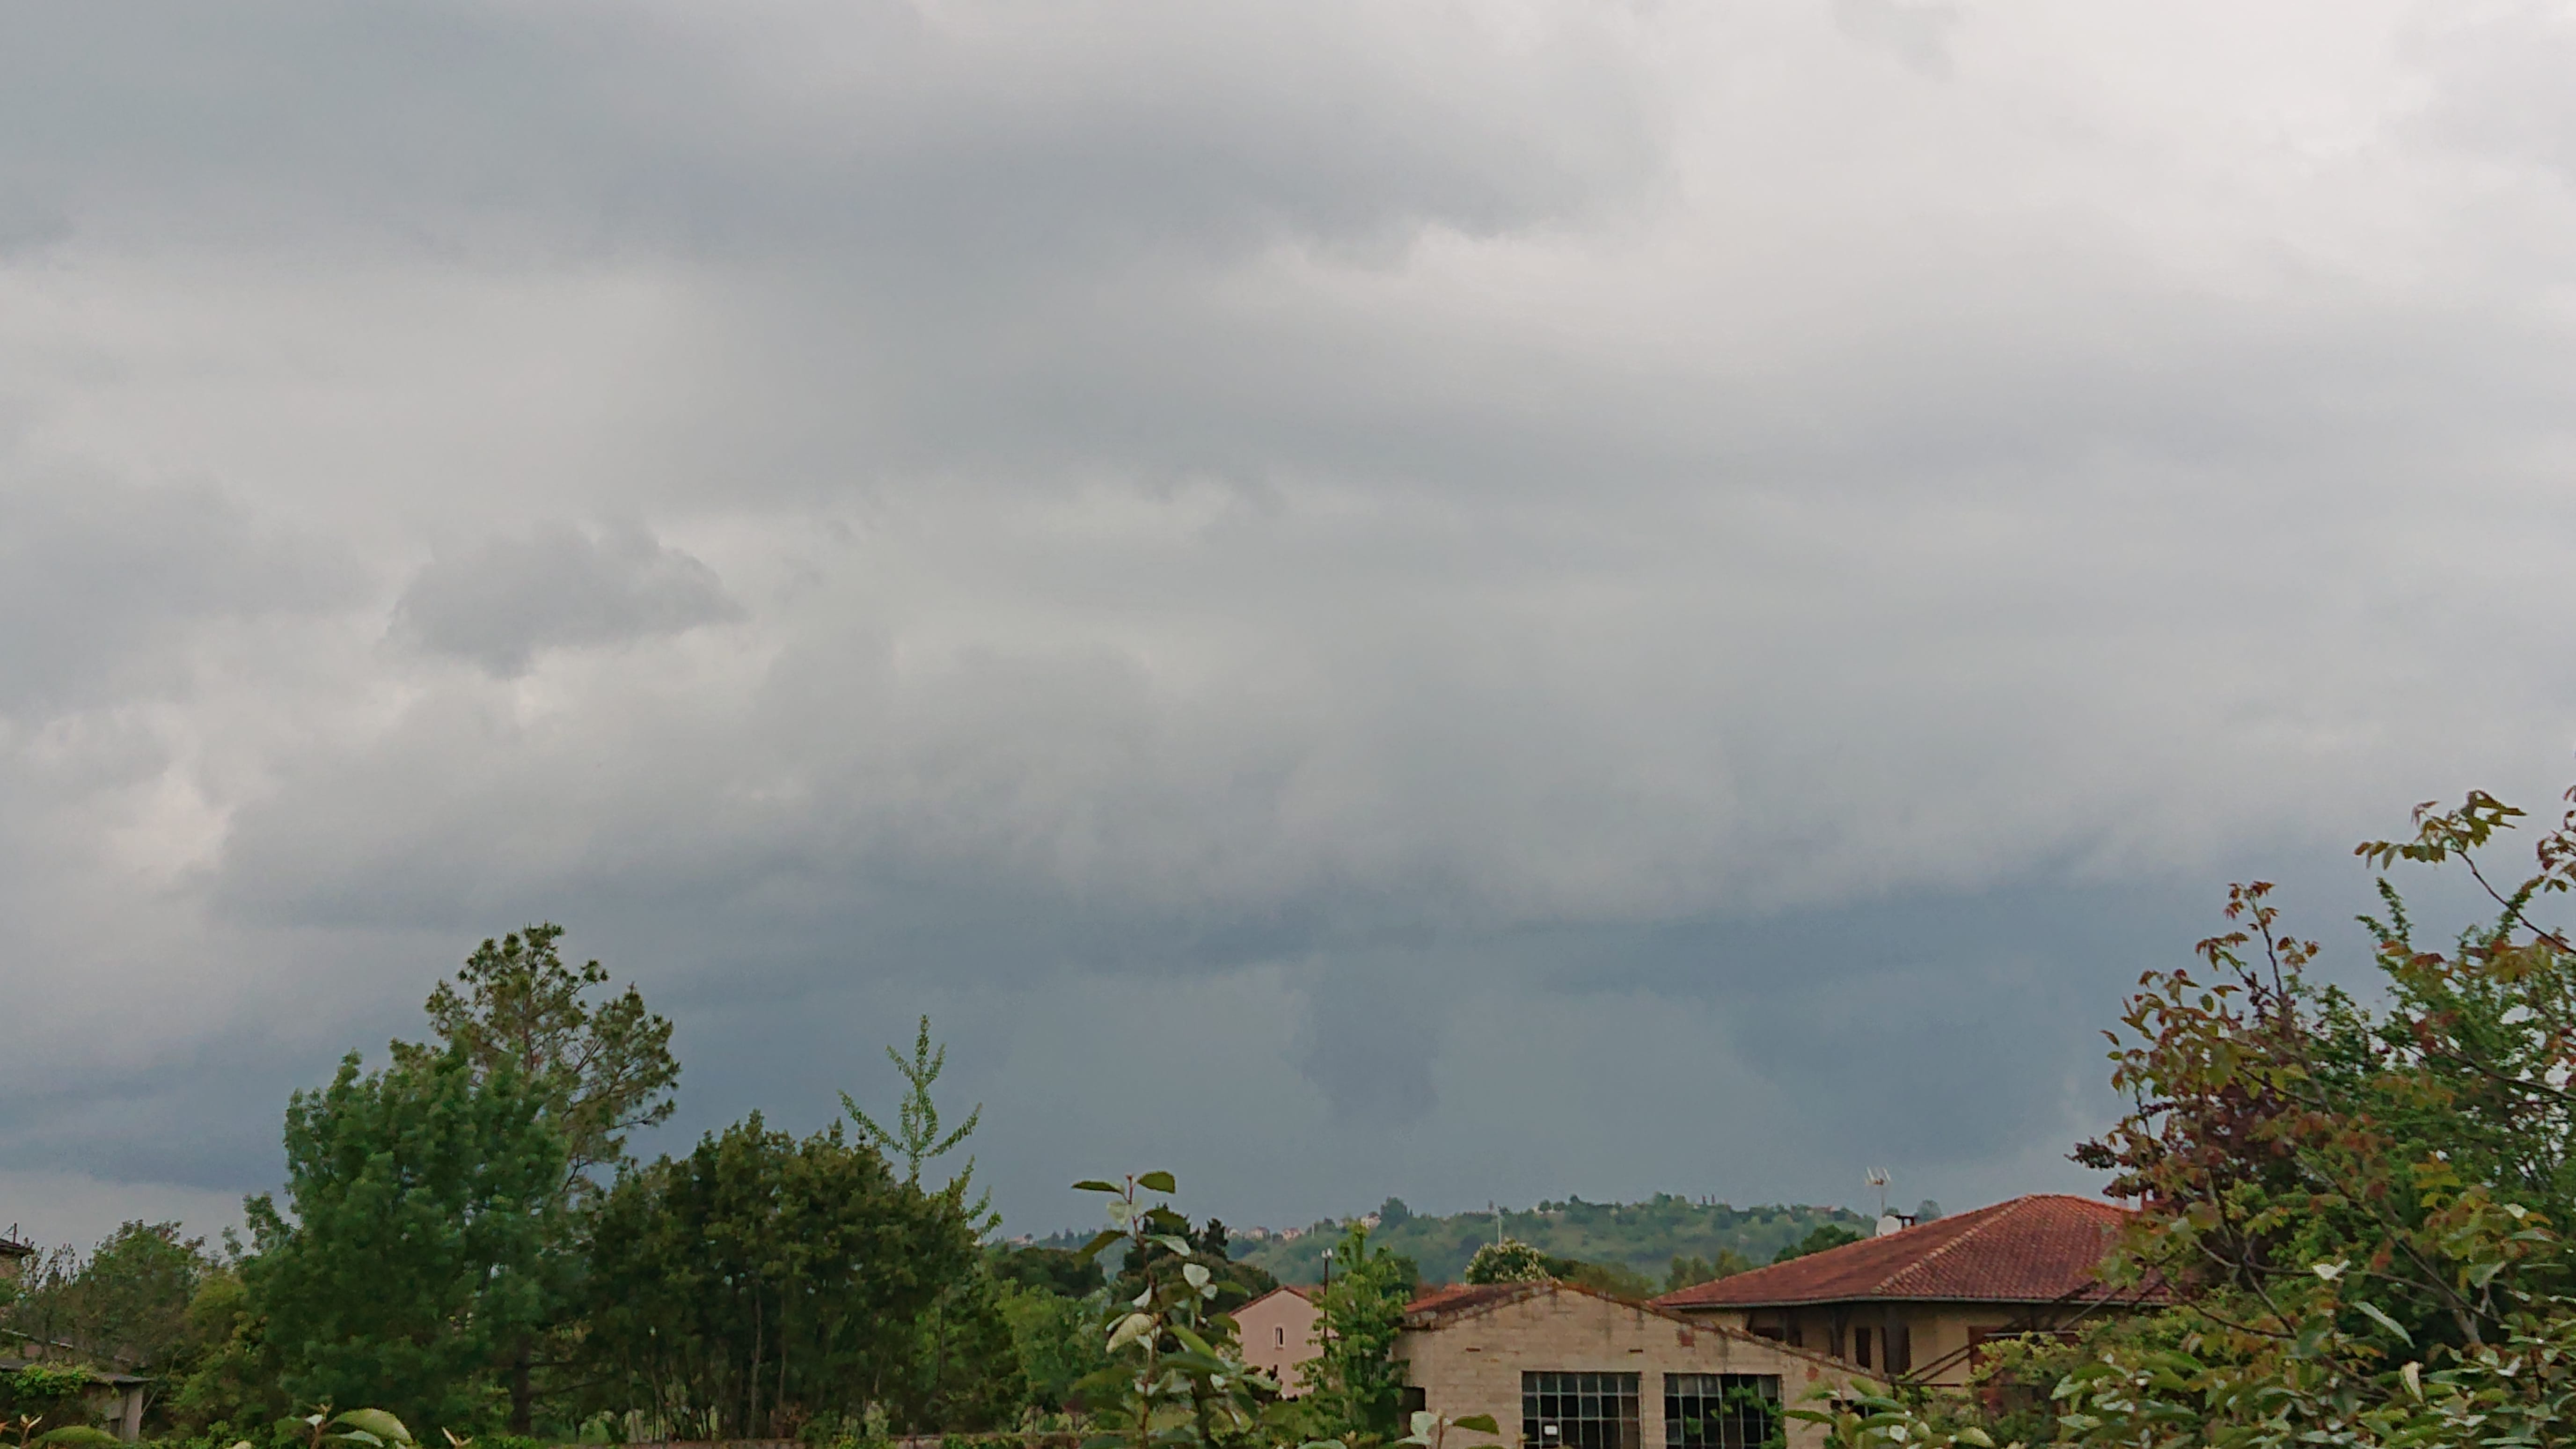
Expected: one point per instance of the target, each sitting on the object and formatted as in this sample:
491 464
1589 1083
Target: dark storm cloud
1469 600
500 602
945 134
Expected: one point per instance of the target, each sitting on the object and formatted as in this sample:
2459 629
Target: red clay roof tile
2036 1249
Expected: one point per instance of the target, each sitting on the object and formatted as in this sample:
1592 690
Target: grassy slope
1645 1236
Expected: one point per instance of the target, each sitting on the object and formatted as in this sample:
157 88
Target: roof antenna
1886 1223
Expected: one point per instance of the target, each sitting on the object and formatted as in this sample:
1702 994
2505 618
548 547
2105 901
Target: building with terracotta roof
1917 1303
1566 1367
14 1253
1277 1331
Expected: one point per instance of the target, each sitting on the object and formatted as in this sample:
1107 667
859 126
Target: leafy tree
599 1063
968 1374
1692 1271
916 1138
1053 1340
231 1389
1831 1235
1357 1384
763 1281
129 1301
1177 1375
1155 1261
1055 1270
1509 1261
1392 1213
1642 1236
1616 1279
2360 1209
602 1068
411 1260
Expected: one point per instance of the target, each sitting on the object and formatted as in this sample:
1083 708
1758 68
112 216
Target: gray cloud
102 583
1471 601
498 603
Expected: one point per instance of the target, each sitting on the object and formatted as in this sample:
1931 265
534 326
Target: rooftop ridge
2037 1247
1986 1217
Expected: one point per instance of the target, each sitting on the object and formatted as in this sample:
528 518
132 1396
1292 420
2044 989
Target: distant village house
1920 1303
1278 1332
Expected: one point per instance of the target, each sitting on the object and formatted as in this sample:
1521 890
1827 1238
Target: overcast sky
1474 601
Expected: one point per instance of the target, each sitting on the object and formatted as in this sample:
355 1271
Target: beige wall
1277 1331
1472 1364
1939 1336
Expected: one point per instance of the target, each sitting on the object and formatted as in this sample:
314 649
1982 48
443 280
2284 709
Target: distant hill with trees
1645 1239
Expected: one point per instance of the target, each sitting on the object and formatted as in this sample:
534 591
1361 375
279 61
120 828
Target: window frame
1736 1429
1593 1409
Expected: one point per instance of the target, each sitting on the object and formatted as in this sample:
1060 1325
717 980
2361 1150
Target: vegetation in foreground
2362 1208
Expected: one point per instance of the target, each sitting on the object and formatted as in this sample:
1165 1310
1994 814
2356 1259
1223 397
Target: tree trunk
523 1394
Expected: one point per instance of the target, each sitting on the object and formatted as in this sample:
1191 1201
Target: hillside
1644 1236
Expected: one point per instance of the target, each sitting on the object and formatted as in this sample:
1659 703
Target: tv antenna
1878 1178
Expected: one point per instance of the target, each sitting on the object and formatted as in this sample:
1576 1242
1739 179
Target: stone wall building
1563 1367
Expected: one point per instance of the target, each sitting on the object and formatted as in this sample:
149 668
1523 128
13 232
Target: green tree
601 1066
1616 1279
1060 1271
231 1388
1053 1339
411 1260
1176 1375
764 1281
916 1137
1690 1272
968 1372
1509 1261
599 1063
1831 1235
1357 1384
2360 1209
130 1301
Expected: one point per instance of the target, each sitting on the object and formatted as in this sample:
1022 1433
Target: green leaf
377 1422
1130 1328
1157 1182
1481 1423
2373 1312
1100 1240
1093 1184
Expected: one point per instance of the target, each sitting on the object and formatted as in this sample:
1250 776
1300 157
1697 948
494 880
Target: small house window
1720 1411
1279 1336
1579 1411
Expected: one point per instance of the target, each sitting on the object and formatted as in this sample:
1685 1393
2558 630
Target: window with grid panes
1579 1411
1720 1411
